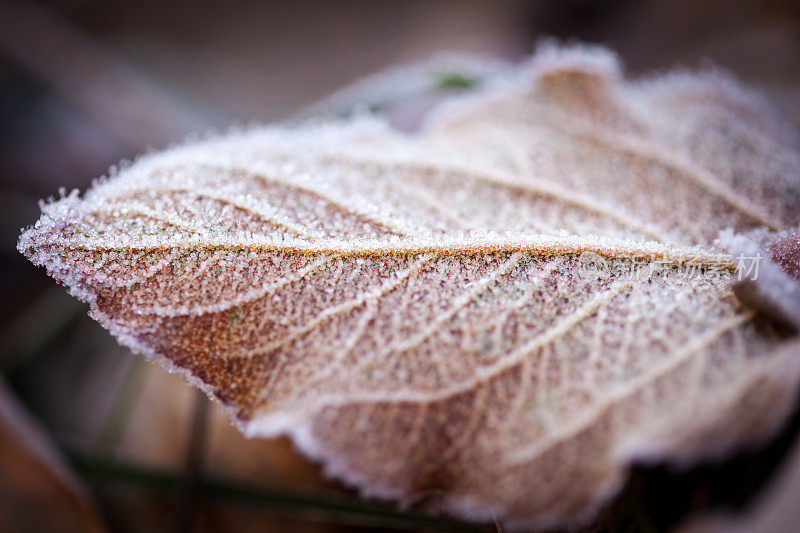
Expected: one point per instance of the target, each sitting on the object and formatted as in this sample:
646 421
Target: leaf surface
504 309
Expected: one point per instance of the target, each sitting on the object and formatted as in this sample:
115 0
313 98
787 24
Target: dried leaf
785 251
34 478
506 309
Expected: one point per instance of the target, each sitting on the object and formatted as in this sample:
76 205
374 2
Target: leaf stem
190 490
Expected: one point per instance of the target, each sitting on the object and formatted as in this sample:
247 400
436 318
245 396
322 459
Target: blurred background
93 438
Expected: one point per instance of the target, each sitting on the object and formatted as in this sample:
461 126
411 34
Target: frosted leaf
785 250
506 308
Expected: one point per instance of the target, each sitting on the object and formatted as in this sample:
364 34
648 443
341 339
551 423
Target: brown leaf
37 490
506 309
785 250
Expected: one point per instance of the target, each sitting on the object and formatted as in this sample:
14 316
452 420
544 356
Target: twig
193 469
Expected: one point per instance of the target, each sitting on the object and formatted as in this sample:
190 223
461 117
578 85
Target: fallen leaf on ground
33 477
504 309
